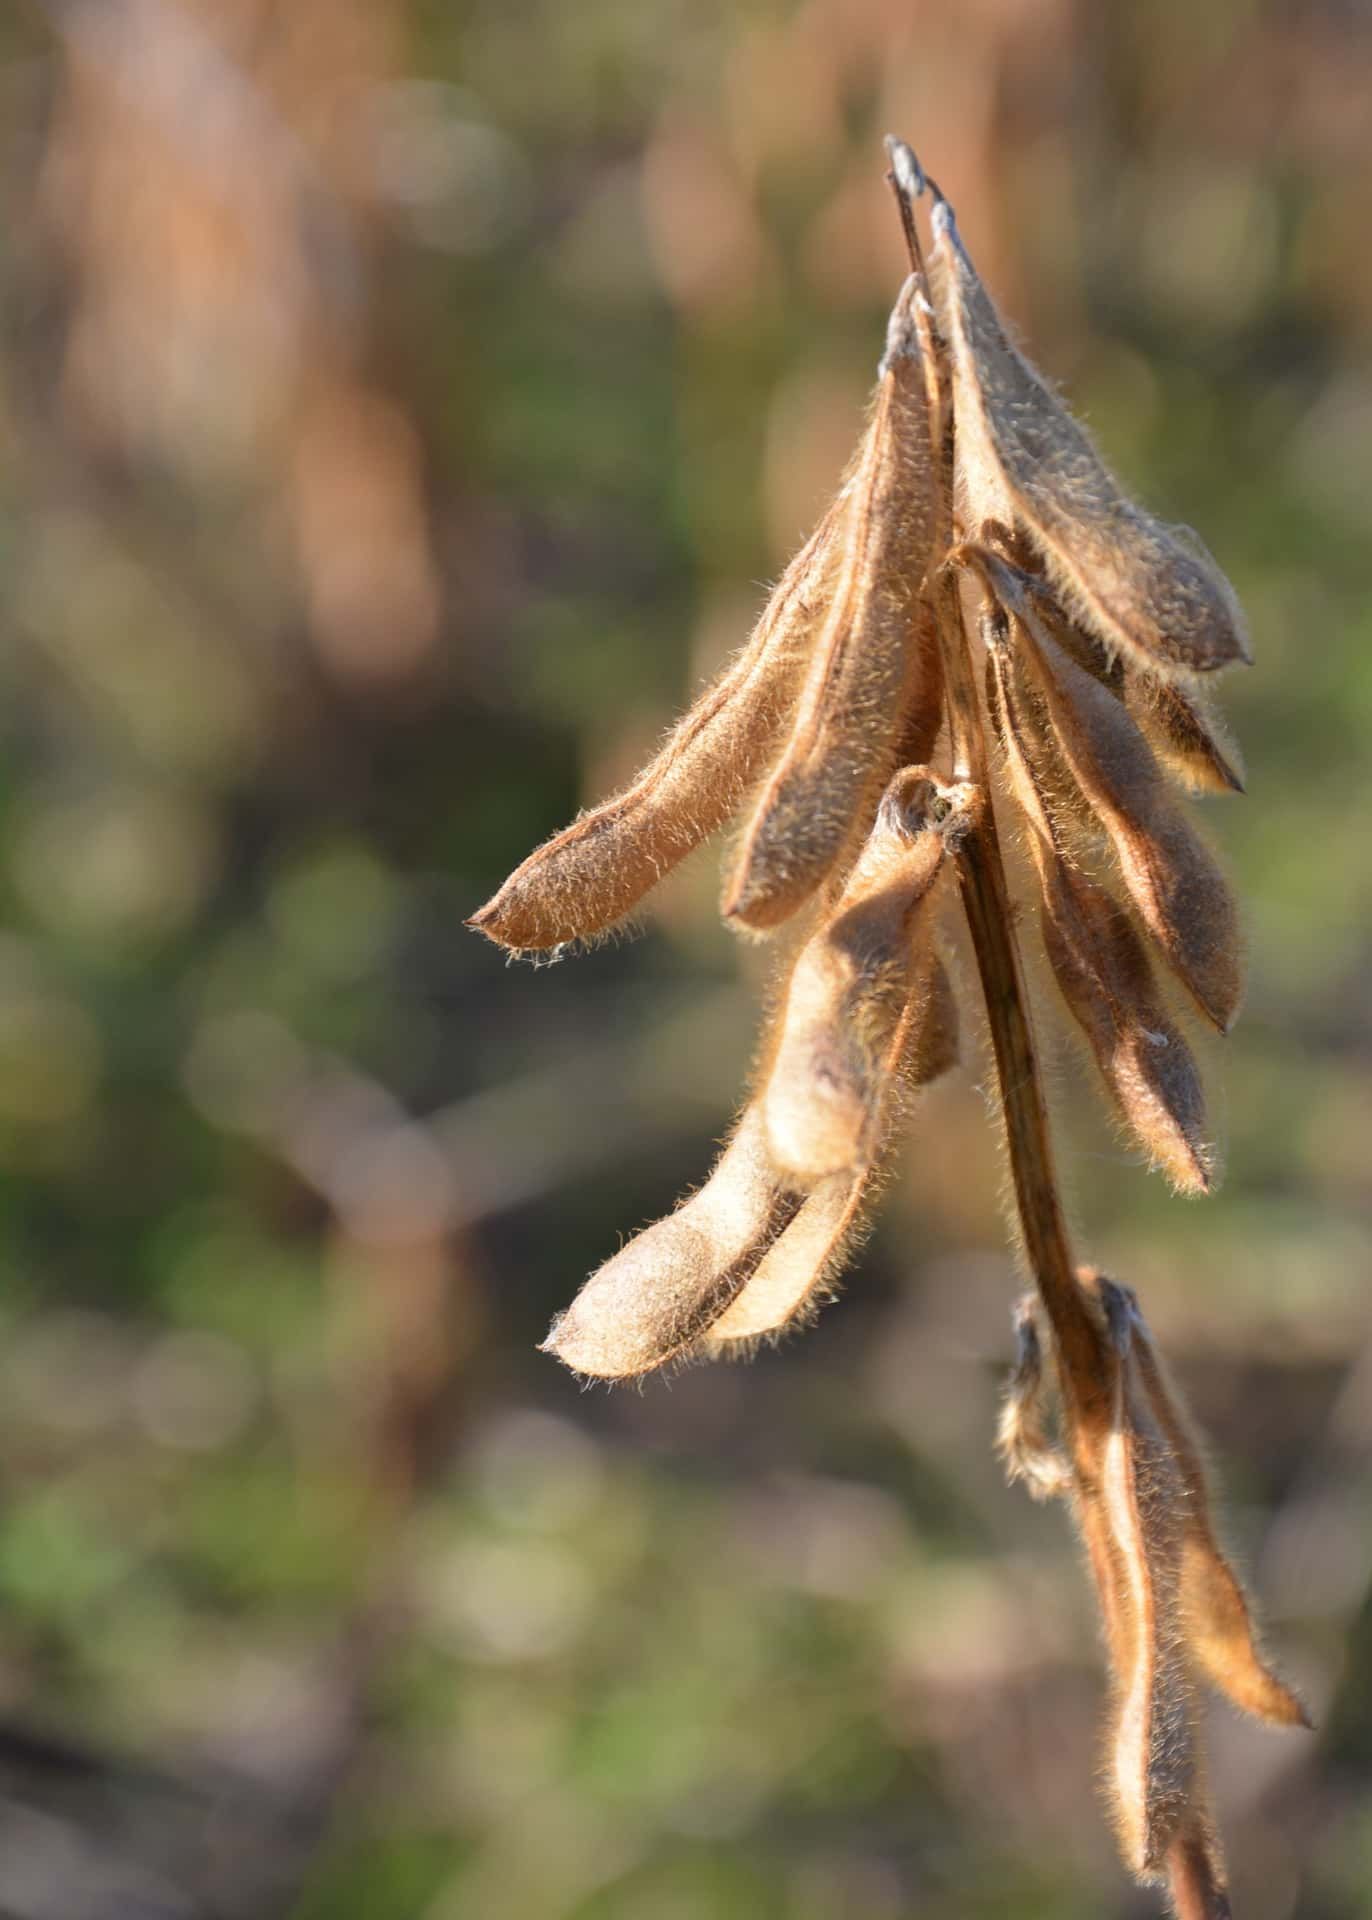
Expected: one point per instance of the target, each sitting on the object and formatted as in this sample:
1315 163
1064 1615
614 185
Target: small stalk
986 901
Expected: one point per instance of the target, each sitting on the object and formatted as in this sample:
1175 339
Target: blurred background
401 409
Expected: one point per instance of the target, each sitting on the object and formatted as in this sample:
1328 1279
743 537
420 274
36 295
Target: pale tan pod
1102 969
851 984
863 671
1025 461
595 871
799 1269
1217 1612
799 1266
1168 871
662 1291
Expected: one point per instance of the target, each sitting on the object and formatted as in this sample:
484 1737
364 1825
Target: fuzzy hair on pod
1023 460
851 985
864 669
1178 722
1169 873
1097 956
663 1290
593 873
799 1270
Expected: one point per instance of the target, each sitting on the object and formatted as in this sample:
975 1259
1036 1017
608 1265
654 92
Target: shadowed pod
852 981
1172 1605
1167 870
1097 957
864 670
800 1271
1178 724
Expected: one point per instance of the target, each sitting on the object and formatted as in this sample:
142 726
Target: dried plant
981 612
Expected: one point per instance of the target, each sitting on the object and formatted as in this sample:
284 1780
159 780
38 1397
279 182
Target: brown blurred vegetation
399 409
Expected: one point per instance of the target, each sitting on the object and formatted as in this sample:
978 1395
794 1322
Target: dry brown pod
851 984
1169 873
865 668
661 1292
1153 1730
1127 1500
799 1269
1218 1614
1024 461
1172 1606
1097 957
588 877
1178 723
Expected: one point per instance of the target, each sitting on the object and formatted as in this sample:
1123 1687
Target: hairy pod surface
597 870
1099 961
1218 1613
1153 1738
1022 1437
1168 871
1127 1499
800 1268
662 1291
851 984
867 658
1024 460
1177 723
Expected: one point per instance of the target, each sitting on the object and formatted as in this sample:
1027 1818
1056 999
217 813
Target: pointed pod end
754 909
593 1352
905 168
525 927
1290 1710
491 921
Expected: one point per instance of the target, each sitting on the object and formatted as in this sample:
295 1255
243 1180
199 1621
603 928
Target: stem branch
986 900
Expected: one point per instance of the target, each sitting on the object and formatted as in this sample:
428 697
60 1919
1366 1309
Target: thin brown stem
907 183
986 900
1196 1890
